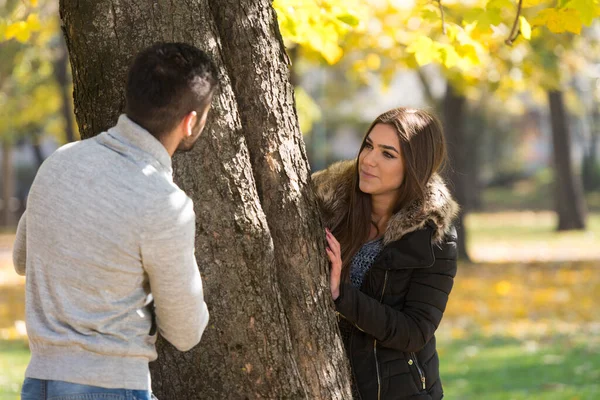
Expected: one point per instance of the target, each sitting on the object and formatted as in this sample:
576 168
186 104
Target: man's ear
189 122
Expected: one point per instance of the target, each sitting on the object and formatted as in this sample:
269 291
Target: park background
519 95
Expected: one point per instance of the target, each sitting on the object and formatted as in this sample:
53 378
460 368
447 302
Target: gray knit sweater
105 230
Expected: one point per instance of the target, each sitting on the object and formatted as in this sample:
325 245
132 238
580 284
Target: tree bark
260 243
570 204
454 112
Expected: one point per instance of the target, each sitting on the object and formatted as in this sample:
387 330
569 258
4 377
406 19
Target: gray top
105 230
363 259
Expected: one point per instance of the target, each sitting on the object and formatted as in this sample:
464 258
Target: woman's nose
370 158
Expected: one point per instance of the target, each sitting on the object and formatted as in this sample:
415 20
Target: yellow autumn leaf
332 52
373 62
18 30
423 50
533 3
587 9
572 21
469 54
33 22
525 28
448 55
558 21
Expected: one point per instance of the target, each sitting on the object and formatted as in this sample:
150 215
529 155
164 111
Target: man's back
105 226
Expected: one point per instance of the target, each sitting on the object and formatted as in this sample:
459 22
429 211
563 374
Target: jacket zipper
375 343
421 374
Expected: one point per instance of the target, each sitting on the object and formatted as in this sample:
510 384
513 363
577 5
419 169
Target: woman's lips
367 175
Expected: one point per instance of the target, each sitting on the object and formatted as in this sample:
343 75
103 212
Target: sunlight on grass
528 236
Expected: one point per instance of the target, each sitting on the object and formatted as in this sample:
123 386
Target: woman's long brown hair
424 152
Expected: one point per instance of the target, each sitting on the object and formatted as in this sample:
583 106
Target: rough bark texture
454 112
259 241
570 204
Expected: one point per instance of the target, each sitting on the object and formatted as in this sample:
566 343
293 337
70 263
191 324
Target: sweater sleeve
411 325
168 257
20 246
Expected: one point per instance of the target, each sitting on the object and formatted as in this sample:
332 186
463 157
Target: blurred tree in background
35 87
497 50
501 55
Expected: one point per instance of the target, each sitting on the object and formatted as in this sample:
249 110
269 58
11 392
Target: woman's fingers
330 254
333 244
336 263
334 240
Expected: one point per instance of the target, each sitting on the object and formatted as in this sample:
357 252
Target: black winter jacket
400 305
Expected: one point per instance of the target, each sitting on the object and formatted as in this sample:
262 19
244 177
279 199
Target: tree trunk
570 204
260 243
62 77
37 151
590 170
8 184
474 135
454 112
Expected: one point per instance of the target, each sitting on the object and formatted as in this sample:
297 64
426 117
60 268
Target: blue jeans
37 389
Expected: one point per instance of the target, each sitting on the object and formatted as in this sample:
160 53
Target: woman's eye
368 145
387 155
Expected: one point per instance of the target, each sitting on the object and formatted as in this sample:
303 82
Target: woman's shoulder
436 213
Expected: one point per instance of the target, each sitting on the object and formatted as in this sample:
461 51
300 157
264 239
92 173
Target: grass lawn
14 356
521 322
500 368
522 331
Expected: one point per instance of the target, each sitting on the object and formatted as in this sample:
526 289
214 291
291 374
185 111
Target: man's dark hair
167 81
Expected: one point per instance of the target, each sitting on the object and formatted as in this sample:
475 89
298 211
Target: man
106 230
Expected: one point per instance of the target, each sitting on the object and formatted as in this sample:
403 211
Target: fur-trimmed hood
334 184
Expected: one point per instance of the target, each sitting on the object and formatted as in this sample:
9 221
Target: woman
394 264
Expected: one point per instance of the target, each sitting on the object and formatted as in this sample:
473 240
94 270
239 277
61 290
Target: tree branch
443 17
515 32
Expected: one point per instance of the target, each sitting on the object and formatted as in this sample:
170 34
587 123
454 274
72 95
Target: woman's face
380 163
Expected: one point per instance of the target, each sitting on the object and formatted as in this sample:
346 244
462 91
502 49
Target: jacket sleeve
20 246
168 257
411 325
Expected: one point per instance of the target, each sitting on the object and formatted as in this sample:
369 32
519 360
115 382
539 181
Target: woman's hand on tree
334 252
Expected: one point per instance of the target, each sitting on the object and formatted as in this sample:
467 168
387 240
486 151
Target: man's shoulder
73 152
169 202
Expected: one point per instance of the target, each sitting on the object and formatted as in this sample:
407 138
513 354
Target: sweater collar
135 136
